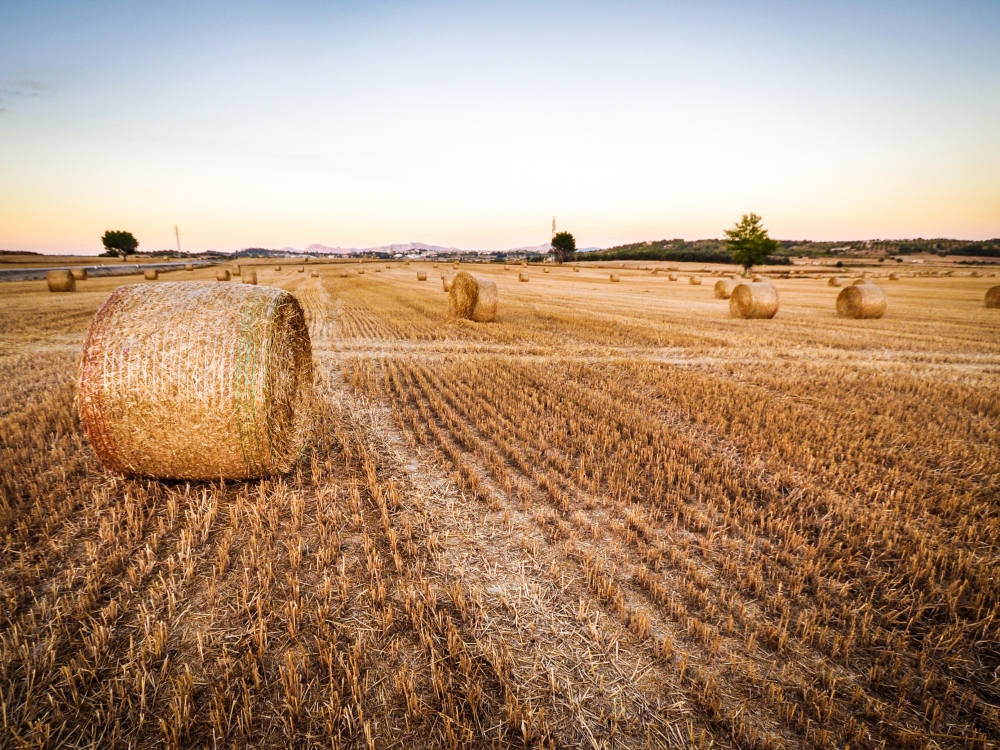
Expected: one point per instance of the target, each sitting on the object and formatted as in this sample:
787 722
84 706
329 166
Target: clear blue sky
284 124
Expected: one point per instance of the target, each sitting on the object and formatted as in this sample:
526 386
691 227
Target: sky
473 124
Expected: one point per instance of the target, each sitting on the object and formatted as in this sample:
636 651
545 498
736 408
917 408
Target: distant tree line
698 251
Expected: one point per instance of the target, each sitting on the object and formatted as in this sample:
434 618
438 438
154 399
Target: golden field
616 517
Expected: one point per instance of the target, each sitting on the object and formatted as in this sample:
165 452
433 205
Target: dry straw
993 297
361 272
724 288
576 269
250 277
472 298
615 278
189 266
672 277
754 299
236 271
446 283
524 264
421 276
194 380
277 268
222 275
861 301
893 277
150 274
80 274
695 280
545 270
861 282
343 274
834 281
60 281
522 276
314 274
302 269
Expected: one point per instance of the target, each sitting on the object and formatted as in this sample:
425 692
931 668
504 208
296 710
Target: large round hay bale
695 280
754 299
472 298
250 277
189 266
724 288
150 274
834 281
80 274
672 277
60 281
522 276
222 275
993 297
615 278
194 380
861 301
421 276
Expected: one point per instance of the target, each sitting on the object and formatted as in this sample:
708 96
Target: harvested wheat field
615 517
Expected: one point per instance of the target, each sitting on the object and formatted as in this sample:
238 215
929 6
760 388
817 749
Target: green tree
748 242
119 243
563 246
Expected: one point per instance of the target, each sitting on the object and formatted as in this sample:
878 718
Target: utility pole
177 234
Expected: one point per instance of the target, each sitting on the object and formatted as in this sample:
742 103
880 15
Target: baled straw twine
197 380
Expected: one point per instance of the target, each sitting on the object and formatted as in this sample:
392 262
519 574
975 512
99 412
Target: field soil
616 517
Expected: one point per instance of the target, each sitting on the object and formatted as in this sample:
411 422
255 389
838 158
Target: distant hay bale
361 272
421 276
656 271
406 263
993 297
893 277
446 283
861 301
80 274
522 276
860 282
974 274
434 265
60 281
576 269
387 266
524 264
621 265
150 274
472 298
695 280
301 269
615 278
758 279
455 264
754 299
545 270
250 277
222 275
236 271
315 274
672 277
377 270
833 281
194 380
724 288
343 274
189 266
277 268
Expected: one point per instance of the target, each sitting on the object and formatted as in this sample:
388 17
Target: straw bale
974 274
758 279
522 276
377 270
576 269
189 266
302 269
860 282
754 299
277 268
615 278
361 272
545 270
222 275
695 280
250 277
60 281
724 288
421 276
993 297
472 298
893 277
150 274
446 282
833 281
406 263
388 266
672 277
80 274
343 274
314 274
524 264
195 380
236 271
861 301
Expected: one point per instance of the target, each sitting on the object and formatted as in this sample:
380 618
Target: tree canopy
119 243
563 246
748 242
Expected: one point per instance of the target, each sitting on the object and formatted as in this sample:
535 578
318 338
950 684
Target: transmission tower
177 234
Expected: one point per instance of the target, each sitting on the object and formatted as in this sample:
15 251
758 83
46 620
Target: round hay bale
833 281
406 263
222 275
893 277
150 274
193 380
250 277
724 288
615 278
455 264
472 298
236 271
694 280
974 274
387 266
60 281
343 274
758 279
545 270
576 269
522 276
361 272
302 269
189 266
277 268
524 264
315 274
861 301
754 299
860 282
446 283
993 297
672 277
434 265
377 270
421 276
80 274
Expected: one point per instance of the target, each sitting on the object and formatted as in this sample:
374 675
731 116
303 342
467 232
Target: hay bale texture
60 281
421 276
150 274
315 274
724 288
80 274
522 276
993 297
754 299
694 280
615 278
194 380
446 282
222 275
672 277
861 301
250 277
472 298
